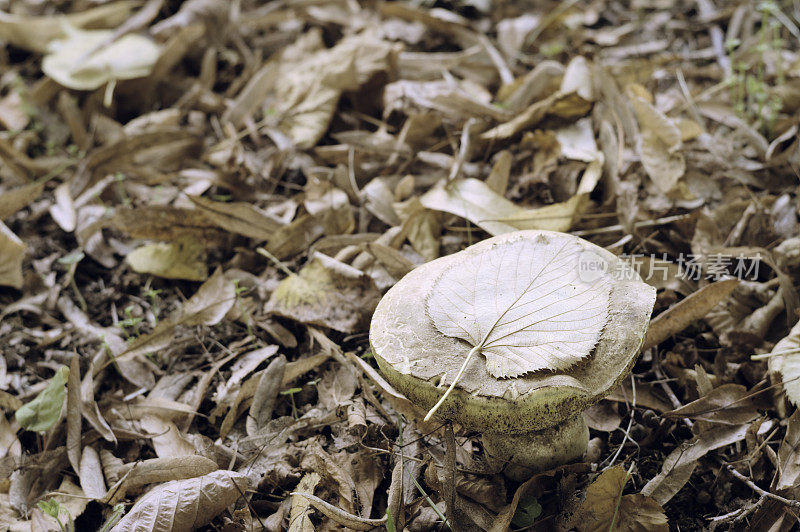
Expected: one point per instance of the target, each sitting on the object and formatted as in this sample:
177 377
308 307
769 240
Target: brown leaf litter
201 236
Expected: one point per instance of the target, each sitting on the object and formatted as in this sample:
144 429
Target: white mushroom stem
521 455
455 381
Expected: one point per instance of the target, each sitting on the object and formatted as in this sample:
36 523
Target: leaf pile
202 202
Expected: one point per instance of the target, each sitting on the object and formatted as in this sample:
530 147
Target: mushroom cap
413 355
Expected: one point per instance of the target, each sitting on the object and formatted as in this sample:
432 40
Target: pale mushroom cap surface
414 355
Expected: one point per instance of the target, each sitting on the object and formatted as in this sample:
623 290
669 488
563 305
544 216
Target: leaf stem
455 381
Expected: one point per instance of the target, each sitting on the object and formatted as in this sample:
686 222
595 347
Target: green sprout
54 509
71 260
118 511
290 392
126 201
152 294
243 312
130 322
751 93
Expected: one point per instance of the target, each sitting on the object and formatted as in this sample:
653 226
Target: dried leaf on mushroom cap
526 304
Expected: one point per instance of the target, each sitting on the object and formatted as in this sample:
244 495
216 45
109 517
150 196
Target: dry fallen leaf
525 120
299 520
785 358
343 518
729 404
687 311
35 33
679 465
326 292
91 474
248 389
266 395
607 509
451 98
577 141
423 227
130 56
168 442
523 305
660 144
578 79
239 217
155 470
18 198
63 210
475 201
603 416
171 260
207 306
164 223
74 417
12 253
211 302
184 505
788 457
312 78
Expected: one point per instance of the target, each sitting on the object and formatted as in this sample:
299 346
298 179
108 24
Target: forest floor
202 203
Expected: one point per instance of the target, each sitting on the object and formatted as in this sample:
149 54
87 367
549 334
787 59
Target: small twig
620 228
707 10
764 356
450 469
689 100
276 261
676 404
725 518
551 17
761 492
431 503
141 19
340 516
463 152
506 76
736 233
705 94
630 424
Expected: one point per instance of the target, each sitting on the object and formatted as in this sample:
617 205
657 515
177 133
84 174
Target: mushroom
525 330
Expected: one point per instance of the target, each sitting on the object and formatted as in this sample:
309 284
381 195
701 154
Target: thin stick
752 485
450 468
630 424
276 261
619 228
